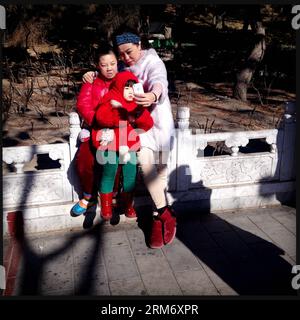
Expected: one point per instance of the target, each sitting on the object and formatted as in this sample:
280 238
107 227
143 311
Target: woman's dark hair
130 83
104 49
123 28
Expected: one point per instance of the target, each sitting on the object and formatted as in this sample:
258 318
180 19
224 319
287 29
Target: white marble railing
237 167
191 174
36 187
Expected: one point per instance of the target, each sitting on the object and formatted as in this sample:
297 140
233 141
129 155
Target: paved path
229 253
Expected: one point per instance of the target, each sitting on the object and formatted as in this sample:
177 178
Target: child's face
108 65
128 94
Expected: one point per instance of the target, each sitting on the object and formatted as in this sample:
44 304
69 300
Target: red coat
89 97
117 118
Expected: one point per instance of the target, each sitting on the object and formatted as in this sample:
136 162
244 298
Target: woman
157 142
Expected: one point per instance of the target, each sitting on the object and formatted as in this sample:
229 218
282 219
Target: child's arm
84 103
141 119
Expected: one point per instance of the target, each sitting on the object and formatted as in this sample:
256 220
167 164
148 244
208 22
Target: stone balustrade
221 182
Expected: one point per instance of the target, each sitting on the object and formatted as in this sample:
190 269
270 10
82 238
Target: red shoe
168 224
106 205
126 204
156 236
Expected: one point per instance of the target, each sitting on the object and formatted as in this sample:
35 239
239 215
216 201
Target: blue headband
127 38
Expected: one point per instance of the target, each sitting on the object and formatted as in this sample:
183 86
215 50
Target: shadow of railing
33 263
246 262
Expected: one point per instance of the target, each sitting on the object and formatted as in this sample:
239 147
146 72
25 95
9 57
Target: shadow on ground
249 264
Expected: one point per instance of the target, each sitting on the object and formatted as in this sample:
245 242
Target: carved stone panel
228 170
35 189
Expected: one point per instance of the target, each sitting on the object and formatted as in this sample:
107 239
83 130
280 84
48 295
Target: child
119 111
89 98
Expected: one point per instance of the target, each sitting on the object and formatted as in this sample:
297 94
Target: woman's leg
155 176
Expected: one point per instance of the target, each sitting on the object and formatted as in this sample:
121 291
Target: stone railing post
75 128
183 117
288 154
184 149
74 123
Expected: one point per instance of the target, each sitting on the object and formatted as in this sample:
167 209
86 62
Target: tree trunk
118 15
245 75
180 25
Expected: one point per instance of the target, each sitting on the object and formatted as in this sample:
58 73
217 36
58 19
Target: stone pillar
288 155
75 128
183 117
184 149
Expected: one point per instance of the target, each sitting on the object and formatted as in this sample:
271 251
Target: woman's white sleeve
157 74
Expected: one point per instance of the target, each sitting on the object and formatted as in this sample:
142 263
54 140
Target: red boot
106 205
168 224
126 204
156 236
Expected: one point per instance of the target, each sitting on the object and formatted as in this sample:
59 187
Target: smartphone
138 88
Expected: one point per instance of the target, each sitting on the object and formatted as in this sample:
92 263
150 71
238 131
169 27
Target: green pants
110 170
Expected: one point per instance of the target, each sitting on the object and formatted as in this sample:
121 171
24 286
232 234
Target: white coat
150 69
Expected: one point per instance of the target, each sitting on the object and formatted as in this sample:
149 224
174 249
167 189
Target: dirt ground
201 76
214 112
46 119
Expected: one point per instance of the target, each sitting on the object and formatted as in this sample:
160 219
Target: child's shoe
106 205
126 204
156 235
82 206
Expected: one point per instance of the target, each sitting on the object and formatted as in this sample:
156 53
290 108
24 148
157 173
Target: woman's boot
168 224
156 235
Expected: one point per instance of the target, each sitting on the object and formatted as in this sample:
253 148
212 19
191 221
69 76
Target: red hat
117 89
